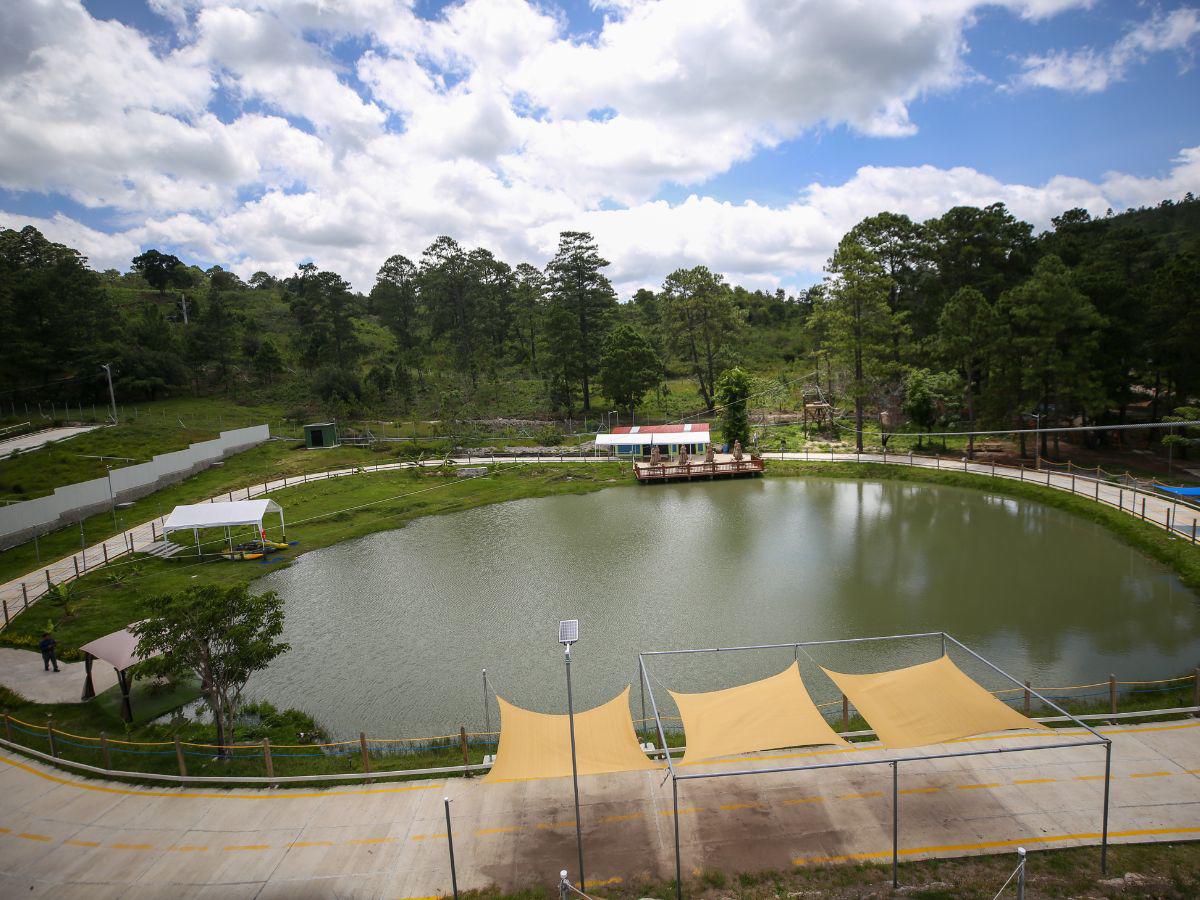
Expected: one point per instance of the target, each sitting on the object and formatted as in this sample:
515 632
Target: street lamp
568 634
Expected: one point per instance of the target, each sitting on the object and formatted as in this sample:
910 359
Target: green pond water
390 632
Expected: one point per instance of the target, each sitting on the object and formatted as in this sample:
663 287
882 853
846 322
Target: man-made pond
390 632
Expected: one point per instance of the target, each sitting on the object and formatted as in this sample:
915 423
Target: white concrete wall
20 521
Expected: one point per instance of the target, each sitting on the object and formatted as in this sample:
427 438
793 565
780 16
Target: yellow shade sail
927 704
537 745
769 714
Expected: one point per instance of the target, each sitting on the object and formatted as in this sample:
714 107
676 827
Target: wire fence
463 750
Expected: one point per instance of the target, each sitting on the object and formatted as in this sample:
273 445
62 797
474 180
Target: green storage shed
323 434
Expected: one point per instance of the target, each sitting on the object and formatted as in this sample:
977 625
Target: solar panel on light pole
568 631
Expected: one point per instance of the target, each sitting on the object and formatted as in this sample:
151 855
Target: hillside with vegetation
967 319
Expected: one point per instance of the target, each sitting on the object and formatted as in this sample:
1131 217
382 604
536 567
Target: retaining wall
19 522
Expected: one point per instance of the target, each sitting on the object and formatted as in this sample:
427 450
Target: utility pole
107 367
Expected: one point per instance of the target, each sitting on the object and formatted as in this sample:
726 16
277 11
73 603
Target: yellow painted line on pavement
189 848
1151 774
248 847
1035 781
924 790
504 829
311 844
424 837
625 818
34 837
1091 778
863 796
196 795
978 787
546 826
119 846
380 840
804 800
75 843
682 812
729 807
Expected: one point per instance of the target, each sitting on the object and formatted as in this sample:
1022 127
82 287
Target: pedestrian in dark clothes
47 646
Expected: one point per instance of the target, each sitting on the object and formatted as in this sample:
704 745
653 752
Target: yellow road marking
1090 778
607 881
195 795
311 844
549 825
501 830
1150 774
624 818
805 800
34 837
1035 781
977 787
422 837
682 812
75 843
732 806
132 846
248 847
189 848
924 790
382 840
863 796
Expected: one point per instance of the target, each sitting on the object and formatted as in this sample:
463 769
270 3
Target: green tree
394 300
448 299
856 321
325 309
968 328
150 361
702 324
268 361
733 392
222 635
1053 332
529 300
628 367
929 396
159 269
581 305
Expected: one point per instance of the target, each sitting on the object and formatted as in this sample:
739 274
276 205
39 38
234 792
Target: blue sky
744 134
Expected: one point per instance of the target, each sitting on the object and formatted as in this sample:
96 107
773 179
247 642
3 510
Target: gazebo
225 515
119 650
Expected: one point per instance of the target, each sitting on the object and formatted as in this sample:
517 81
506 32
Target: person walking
47 645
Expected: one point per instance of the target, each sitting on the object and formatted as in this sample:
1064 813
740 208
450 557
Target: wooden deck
724 467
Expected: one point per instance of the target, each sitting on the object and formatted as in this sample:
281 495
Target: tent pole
196 535
282 526
1104 836
895 825
678 859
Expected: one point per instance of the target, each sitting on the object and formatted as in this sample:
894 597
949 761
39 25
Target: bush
549 436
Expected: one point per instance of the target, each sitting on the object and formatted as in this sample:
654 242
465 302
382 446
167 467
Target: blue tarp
1181 491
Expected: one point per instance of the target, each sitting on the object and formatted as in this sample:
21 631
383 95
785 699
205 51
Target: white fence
20 521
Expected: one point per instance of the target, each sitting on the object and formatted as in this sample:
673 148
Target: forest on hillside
967 319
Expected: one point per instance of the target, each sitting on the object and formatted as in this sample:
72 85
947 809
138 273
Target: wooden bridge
725 466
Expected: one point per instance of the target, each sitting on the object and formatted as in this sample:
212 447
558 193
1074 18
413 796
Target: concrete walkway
1183 518
22 671
35 439
65 837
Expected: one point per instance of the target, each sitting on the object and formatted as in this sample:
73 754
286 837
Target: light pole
112 499
568 634
107 367
1037 439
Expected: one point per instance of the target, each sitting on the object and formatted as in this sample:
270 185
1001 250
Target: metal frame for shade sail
1096 740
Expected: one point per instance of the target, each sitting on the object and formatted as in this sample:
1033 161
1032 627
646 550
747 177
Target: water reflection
390 631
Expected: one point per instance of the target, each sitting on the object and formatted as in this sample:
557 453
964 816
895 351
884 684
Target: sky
745 135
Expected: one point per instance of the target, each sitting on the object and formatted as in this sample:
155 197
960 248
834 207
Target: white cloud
271 131
1089 70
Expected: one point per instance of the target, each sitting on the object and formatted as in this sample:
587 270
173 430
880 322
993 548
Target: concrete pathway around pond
22 671
35 439
18 593
66 837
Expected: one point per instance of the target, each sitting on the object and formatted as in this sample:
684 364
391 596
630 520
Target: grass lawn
1166 871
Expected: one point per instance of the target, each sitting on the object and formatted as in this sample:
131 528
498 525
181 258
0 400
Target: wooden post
1143 508
845 713
267 759
366 757
1027 698
5 613
25 592
153 531
48 584
50 736
104 751
1112 693
179 757
462 737
104 547
74 559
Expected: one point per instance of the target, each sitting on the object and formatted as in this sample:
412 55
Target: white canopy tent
661 435
225 515
119 650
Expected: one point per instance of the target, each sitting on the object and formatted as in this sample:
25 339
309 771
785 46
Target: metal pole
1104 837
1021 874
107 367
487 713
895 825
678 857
450 842
574 767
112 499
